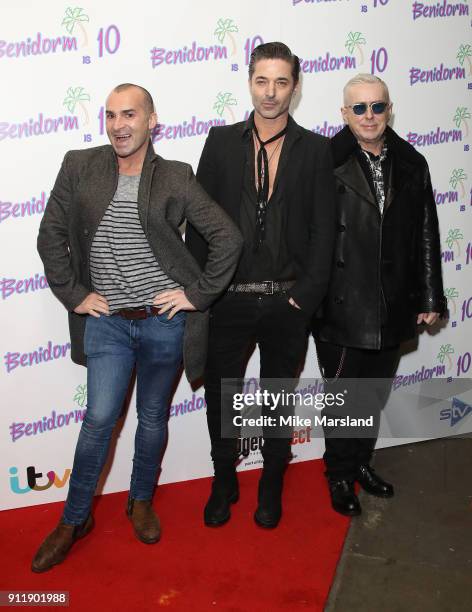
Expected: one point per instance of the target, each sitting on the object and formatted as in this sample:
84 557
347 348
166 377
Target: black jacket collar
344 144
245 127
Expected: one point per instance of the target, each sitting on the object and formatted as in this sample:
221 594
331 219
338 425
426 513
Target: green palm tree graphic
81 395
451 294
445 350
74 96
457 177
453 237
464 53
354 42
224 27
74 16
223 102
462 113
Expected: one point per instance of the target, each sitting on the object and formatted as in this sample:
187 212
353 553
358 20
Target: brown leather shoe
55 547
147 527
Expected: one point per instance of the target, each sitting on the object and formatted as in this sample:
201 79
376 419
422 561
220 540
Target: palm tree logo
224 27
81 395
74 96
223 102
451 294
354 42
464 53
460 117
445 350
74 17
453 237
458 177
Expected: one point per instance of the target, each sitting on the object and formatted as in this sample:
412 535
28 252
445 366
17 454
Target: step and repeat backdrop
59 60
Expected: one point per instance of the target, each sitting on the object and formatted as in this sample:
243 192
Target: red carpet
236 568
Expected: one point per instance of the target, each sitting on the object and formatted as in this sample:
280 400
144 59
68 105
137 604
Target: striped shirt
122 265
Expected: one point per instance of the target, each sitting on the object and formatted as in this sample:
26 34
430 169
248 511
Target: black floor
412 553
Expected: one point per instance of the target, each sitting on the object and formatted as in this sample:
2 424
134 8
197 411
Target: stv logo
458 411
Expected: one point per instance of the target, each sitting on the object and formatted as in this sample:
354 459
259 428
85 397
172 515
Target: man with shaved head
114 256
385 278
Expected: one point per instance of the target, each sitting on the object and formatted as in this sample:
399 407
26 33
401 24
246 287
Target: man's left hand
427 317
172 301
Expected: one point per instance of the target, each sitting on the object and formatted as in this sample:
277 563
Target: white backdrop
58 61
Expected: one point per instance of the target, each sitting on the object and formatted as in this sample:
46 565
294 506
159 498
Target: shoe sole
260 523
143 540
81 535
232 500
345 513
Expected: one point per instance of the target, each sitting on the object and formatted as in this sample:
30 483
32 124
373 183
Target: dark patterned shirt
375 166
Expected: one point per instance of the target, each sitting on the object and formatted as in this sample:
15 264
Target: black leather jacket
386 268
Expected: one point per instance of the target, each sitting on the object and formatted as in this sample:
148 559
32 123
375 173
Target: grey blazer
168 194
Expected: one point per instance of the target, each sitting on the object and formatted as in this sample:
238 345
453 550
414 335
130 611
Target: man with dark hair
275 50
386 278
274 179
114 256
146 96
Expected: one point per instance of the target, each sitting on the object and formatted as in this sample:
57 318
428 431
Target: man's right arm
53 242
207 177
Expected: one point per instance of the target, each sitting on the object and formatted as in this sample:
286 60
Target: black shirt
271 260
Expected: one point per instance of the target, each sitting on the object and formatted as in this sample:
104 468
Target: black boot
372 483
269 509
343 497
224 492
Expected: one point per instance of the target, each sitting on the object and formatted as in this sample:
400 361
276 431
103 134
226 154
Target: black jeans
237 322
344 455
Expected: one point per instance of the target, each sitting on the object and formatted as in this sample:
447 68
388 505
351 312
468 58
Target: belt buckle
271 290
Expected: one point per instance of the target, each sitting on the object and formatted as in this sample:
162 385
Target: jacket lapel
101 189
145 184
400 172
237 161
351 174
291 138
391 187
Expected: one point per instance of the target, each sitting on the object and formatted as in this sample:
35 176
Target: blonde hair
364 77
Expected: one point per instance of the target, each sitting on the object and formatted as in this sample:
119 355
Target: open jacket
307 187
386 268
168 194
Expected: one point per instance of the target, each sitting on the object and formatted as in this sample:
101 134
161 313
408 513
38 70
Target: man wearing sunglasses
385 279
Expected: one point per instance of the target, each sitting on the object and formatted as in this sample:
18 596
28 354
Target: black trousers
237 322
369 374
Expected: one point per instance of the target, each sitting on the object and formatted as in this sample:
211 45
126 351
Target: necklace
273 152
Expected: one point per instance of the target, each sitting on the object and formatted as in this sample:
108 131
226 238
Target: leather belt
262 287
142 312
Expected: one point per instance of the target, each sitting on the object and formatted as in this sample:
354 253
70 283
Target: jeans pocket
177 319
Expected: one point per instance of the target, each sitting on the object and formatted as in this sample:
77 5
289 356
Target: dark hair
275 50
148 101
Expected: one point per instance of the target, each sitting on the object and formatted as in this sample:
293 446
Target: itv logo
32 477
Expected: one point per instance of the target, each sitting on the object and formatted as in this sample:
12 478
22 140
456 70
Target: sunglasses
376 107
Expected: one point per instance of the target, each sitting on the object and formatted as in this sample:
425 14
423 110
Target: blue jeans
114 346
